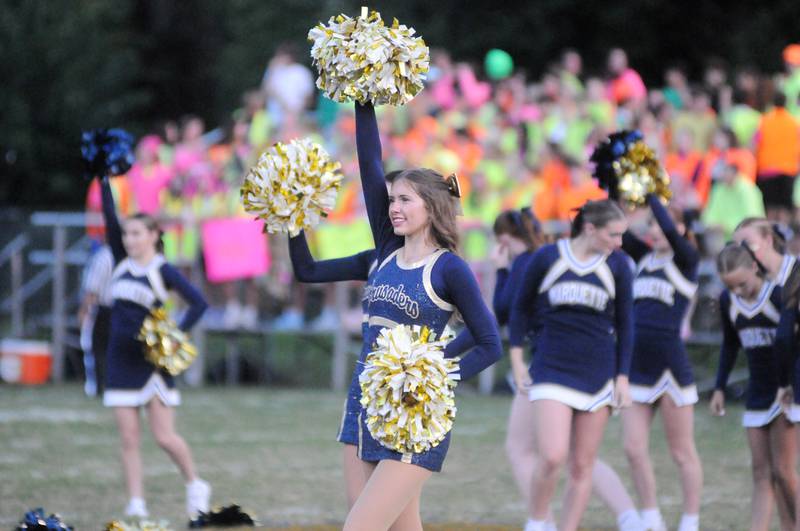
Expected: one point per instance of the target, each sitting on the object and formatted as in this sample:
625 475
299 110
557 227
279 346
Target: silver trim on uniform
665 385
572 397
155 387
426 282
760 418
761 305
377 320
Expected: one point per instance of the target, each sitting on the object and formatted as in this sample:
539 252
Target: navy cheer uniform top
662 291
425 293
359 266
584 313
507 284
752 325
131 380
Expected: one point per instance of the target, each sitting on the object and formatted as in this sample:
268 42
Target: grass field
273 452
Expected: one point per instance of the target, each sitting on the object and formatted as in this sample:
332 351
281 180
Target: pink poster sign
234 248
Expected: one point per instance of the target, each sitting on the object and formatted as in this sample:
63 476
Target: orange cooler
25 361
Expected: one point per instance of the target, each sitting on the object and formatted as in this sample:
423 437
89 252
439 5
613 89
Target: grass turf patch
273 452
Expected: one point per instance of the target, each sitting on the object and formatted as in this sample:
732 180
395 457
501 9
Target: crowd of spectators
730 142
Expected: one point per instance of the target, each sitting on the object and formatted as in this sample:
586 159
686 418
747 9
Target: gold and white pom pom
292 186
361 59
408 388
165 345
144 525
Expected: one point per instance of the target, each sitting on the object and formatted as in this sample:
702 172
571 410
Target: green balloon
498 64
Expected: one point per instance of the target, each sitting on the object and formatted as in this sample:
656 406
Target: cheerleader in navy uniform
580 291
750 319
661 375
419 281
786 342
518 234
768 246
356 267
140 282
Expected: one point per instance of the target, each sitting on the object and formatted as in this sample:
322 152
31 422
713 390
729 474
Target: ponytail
577 223
764 227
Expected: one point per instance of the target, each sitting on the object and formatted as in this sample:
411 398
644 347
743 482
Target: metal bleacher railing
63 258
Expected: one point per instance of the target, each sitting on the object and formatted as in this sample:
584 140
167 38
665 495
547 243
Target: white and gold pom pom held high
361 59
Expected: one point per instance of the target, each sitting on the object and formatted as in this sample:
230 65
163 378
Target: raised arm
113 229
308 270
729 349
623 315
634 246
173 280
462 289
373 182
686 255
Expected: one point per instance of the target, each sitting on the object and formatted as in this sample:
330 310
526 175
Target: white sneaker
137 508
689 522
198 495
327 321
535 525
630 521
232 315
289 321
248 318
653 521
90 388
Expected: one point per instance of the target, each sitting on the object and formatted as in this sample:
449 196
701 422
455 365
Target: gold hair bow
453 185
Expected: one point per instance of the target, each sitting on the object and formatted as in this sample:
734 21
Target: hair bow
453 185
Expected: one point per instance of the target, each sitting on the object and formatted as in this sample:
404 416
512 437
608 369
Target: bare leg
128 425
520 443
355 476
230 291
521 452
797 443
761 511
409 519
784 477
608 487
251 292
636 422
679 428
390 489
587 434
553 424
162 424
